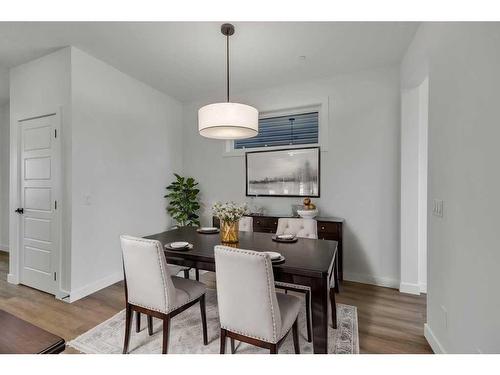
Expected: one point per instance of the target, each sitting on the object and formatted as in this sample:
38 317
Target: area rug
186 335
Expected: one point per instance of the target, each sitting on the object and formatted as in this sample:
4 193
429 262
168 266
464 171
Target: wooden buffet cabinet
329 228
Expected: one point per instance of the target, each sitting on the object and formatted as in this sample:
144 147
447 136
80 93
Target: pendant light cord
227 65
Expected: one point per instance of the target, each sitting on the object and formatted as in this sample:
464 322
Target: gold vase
229 231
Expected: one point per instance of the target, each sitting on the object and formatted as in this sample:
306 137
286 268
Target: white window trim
321 106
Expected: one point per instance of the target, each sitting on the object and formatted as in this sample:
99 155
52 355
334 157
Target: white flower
230 211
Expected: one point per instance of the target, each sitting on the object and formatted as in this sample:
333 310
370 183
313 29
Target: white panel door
39 183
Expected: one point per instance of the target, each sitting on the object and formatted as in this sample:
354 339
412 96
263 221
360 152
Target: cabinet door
329 231
265 224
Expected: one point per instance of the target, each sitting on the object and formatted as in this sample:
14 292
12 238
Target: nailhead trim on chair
290 285
268 259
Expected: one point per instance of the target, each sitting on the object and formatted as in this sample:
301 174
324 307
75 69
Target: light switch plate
437 208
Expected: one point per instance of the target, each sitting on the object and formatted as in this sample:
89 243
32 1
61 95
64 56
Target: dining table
307 262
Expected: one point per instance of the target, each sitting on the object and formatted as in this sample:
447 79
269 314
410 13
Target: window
299 129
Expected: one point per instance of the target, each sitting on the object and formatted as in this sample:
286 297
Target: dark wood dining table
18 336
307 262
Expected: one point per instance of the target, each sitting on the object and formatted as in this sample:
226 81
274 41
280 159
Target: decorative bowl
307 214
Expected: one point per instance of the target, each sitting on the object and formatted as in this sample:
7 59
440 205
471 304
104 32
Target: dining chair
174 270
307 228
246 224
152 290
250 310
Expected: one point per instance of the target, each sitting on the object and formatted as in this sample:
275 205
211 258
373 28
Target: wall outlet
437 208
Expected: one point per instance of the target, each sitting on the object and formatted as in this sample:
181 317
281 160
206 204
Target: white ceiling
186 59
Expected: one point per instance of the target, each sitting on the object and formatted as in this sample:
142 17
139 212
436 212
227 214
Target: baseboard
94 287
432 340
12 279
4 248
369 279
409 288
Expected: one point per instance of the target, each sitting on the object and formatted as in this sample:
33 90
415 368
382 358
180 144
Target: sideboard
329 228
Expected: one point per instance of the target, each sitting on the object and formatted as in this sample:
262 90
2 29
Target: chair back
303 228
245 293
148 280
246 224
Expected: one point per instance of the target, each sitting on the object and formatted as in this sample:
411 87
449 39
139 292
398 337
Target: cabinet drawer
328 229
265 224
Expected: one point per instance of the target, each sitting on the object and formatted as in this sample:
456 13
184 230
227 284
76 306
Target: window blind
283 130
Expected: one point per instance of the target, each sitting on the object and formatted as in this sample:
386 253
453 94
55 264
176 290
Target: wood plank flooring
389 322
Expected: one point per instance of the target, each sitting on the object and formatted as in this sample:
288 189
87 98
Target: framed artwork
291 172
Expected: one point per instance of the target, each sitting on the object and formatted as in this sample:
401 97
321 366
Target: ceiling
186 59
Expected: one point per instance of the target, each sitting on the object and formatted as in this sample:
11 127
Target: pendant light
228 120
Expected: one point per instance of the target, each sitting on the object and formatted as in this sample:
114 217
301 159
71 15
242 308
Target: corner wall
125 148
121 145
462 62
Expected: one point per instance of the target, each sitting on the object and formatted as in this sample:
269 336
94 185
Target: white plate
273 255
208 229
285 236
179 245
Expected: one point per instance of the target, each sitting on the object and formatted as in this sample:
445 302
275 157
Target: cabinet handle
258 222
323 228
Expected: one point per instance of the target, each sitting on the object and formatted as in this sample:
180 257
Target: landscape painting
283 173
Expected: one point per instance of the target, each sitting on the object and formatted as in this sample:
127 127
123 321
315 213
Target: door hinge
55 133
55 205
55 276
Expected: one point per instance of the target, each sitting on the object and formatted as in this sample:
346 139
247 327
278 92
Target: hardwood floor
389 322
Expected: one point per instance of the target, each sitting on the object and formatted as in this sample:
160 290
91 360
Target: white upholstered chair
250 310
306 228
246 224
303 228
152 290
174 270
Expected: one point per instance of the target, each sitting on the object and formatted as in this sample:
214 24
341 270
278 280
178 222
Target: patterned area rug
186 335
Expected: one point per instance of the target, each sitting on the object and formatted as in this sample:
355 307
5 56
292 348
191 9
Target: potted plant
229 214
183 201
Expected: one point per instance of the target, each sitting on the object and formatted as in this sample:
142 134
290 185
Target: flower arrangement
229 211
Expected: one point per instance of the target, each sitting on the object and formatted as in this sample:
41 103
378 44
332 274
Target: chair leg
186 274
233 350
150 325
166 324
336 274
334 308
273 349
308 315
295 333
222 341
203 319
137 321
197 274
128 326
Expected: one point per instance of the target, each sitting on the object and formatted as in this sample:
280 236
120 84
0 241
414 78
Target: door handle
20 211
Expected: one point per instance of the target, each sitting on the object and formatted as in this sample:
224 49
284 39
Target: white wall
359 172
40 87
126 143
461 60
4 177
121 144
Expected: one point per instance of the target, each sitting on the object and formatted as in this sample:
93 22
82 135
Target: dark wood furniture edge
336 235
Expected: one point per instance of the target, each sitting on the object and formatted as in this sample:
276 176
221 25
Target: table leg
319 304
